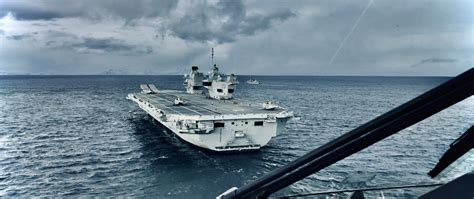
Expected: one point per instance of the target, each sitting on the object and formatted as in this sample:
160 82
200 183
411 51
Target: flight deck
200 104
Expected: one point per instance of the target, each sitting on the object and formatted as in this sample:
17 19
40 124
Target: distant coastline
242 75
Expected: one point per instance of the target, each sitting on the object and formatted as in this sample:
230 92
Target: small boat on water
252 81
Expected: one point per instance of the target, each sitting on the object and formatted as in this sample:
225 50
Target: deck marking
201 106
184 107
162 105
194 104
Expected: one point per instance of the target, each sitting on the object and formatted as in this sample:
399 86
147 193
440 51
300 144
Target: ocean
79 136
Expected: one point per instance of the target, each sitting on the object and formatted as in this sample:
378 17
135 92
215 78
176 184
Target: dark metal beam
457 149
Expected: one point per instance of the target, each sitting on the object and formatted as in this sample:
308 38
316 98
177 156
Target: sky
249 37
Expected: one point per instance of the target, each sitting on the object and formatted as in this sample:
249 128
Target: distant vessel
208 116
252 81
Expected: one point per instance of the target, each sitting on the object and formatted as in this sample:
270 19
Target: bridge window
219 90
258 123
231 90
218 124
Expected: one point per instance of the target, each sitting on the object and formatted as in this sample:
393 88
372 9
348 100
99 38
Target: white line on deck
149 99
193 105
181 106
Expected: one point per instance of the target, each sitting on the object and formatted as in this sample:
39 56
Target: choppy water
78 135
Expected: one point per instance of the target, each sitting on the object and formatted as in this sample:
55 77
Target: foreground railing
412 112
359 190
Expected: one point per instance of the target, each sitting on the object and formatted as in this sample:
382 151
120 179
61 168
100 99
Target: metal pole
365 189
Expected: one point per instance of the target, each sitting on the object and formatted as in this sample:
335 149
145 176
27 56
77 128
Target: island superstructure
208 116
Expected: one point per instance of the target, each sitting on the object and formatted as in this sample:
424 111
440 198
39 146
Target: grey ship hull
217 125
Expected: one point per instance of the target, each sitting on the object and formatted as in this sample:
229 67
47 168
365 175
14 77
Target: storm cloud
19 37
223 22
54 9
297 37
65 41
38 10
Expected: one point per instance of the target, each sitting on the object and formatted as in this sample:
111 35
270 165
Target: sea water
79 136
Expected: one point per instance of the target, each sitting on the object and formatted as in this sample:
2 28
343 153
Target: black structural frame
457 149
399 118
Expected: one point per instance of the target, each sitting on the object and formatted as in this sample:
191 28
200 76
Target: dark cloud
91 45
38 10
250 37
19 37
435 61
105 44
45 24
438 60
110 45
223 22
130 10
53 9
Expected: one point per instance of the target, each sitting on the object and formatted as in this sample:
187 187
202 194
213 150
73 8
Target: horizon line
236 75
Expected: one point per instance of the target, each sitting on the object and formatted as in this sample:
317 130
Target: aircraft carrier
206 114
